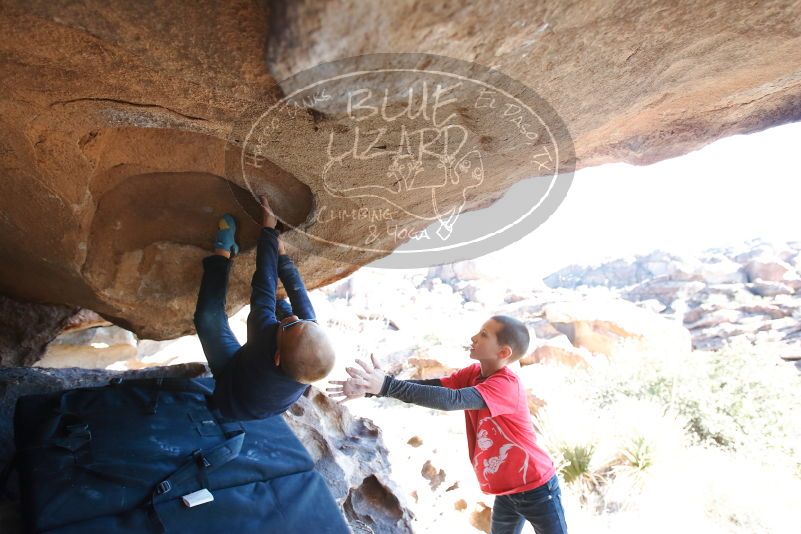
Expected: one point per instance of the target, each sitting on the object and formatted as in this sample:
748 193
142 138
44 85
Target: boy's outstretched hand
368 379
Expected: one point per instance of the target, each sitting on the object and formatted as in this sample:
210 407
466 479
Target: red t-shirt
500 438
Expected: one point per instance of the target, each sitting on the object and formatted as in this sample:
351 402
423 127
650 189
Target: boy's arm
295 290
370 380
426 382
432 396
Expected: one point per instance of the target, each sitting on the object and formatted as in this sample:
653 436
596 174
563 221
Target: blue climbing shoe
226 228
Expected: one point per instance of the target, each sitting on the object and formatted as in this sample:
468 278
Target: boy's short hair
513 333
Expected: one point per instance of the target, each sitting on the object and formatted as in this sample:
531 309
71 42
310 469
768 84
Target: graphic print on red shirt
500 438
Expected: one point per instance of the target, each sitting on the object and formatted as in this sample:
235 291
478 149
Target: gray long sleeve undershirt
431 394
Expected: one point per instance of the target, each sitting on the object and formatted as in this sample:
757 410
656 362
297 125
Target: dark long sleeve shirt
431 394
252 386
295 289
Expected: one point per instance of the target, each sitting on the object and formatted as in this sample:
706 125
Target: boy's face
485 344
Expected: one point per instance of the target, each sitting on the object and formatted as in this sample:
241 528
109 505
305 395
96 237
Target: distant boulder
609 327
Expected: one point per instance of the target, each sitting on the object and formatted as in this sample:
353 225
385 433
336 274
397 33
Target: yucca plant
628 469
577 470
577 462
636 456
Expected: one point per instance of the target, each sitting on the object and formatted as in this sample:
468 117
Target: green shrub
741 398
577 468
636 456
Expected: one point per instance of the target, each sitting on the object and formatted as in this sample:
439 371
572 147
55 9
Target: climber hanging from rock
285 350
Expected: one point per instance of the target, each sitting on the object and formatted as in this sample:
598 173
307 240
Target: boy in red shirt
500 437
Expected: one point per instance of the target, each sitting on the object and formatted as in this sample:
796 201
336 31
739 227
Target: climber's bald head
304 351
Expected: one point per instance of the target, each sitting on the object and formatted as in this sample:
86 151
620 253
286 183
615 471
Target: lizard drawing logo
378 158
414 173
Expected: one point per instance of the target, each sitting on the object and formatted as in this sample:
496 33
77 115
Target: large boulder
770 269
615 326
718 269
559 351
115 117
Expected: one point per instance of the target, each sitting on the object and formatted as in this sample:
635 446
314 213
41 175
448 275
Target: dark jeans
218 341
542 507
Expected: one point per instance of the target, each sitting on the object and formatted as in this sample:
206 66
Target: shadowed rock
351 456
26 329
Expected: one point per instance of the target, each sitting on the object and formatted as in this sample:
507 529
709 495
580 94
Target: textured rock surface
82 320
351 455
115 115
559 350
27 328
635 81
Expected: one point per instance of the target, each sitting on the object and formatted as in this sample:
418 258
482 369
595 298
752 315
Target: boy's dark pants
218 341
542 507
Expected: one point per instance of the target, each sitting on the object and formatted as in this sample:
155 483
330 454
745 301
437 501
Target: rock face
351 456
115 116
635 82
27 328
559 350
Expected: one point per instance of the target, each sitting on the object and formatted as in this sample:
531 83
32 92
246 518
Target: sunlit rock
609 327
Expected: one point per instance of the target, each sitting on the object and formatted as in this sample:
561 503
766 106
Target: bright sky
733 190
